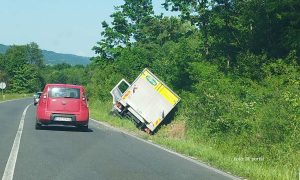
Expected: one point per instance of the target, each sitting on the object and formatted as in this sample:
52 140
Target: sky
63 26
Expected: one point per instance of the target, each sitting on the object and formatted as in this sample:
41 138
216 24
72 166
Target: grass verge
175 137
11 96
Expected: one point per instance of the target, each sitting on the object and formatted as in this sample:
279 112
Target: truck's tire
140 125
114 112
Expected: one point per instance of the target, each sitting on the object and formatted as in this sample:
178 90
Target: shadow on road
65 128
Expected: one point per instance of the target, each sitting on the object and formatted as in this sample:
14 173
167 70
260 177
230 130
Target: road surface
101 153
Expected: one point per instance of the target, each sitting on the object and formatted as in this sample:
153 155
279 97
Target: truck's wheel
140 125
114 112
147 130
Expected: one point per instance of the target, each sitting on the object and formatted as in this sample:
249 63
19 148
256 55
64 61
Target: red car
63 104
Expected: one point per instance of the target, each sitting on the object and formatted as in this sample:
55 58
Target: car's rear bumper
43 115
72 120
73 123
69 123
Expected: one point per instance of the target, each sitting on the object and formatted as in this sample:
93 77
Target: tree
128 19
270 27
34 55
15 58
3 75
197 12
25 80
21 66
225 32
160 30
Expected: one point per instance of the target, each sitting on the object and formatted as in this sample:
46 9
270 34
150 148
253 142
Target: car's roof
65 85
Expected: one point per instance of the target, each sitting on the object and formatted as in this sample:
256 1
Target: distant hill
53 58
57 58
3 48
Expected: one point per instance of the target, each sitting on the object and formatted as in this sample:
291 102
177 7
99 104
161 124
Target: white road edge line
11 162
170 151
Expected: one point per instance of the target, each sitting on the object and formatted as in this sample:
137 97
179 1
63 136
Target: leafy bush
250 118
103 79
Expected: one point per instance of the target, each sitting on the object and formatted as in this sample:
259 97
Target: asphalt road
101 153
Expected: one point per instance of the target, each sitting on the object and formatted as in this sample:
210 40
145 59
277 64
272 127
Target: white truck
147 100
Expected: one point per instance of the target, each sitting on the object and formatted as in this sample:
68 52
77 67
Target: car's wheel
38 126
83 128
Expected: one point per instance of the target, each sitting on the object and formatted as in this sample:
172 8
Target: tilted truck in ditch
147 100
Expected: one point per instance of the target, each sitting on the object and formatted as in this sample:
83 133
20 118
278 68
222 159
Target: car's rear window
61 92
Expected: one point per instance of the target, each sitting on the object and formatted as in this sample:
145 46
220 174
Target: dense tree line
66 74
23 69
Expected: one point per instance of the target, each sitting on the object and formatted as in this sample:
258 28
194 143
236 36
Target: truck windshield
60 92
123 87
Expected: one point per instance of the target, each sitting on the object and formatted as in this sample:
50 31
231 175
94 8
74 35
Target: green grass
11 96
250 167
220 156
101 111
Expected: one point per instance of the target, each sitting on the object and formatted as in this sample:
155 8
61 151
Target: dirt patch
177 130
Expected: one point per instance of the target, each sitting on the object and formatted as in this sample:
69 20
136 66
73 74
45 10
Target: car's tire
38 126
83 127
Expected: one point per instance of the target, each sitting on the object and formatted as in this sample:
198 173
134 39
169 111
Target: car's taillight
84 101
44 96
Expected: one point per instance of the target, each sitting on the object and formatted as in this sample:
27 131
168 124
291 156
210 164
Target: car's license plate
62 119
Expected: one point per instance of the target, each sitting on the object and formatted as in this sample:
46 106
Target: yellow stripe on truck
145 74
168 95
160 88
156 123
